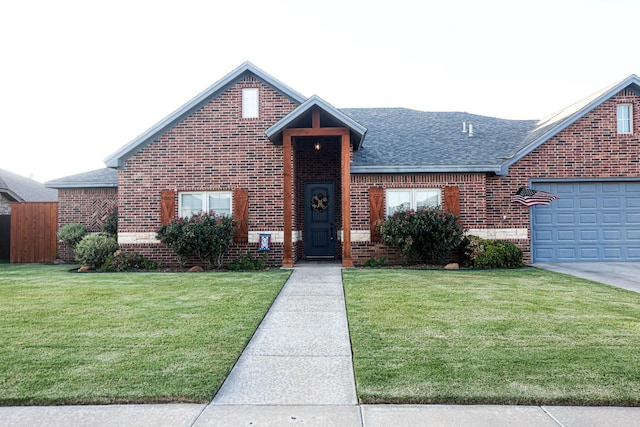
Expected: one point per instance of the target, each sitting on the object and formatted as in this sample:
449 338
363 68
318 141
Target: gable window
625 121
412 199
250 103
192 202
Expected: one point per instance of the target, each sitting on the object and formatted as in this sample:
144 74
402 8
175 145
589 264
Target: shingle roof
100 178
402 140
23 189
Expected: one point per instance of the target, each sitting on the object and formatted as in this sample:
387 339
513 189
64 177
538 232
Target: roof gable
117 159
547 128
329 116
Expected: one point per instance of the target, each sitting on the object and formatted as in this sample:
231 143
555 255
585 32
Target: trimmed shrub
94 249
71 234
494 253
428 235
373 262
128 261
205 236
248 262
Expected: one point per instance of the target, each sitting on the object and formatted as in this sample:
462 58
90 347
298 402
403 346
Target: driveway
624 275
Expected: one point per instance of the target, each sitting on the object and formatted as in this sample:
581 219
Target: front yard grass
72 338
492 337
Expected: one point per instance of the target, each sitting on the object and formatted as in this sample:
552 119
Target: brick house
317 179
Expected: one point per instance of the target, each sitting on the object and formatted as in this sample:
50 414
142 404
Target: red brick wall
213 149
88 206
472 204
589 148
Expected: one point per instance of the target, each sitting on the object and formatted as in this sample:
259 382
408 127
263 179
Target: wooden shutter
167 206
376 212
452 200
241 215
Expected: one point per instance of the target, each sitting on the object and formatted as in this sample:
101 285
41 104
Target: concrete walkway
297 370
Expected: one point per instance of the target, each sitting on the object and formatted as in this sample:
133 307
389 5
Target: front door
319 226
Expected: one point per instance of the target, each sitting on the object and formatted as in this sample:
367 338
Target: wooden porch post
346 198
287 260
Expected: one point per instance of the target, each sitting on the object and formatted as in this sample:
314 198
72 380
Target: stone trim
500 233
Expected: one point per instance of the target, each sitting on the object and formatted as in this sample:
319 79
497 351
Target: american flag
529 197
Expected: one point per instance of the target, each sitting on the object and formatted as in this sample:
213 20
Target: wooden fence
33 232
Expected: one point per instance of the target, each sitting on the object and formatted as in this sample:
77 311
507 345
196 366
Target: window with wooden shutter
167 206
376 212
241 215
452 200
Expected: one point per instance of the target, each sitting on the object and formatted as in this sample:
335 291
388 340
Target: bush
94 249
71 234
110 226
128 261
206 236
373 262
248 262
494 253
428 235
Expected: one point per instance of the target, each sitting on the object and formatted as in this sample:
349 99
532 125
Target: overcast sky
80 79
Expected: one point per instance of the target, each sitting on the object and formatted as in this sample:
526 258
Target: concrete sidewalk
297 369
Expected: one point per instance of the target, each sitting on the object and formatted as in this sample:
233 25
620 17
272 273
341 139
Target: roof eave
59 185
15 196
405 169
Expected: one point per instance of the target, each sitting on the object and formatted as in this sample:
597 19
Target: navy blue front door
319 225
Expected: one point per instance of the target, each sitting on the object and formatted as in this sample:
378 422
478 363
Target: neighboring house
318 179
17 188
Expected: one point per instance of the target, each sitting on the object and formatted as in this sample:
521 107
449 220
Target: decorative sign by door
265 242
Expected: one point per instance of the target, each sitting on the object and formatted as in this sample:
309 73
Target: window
412 199
250 103
205 201
625 122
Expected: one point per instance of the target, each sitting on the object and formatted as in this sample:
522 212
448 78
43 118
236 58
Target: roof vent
470 129
464 127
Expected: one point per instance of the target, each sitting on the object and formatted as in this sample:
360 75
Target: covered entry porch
317 142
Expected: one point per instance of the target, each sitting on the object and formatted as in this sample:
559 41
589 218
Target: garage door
592 221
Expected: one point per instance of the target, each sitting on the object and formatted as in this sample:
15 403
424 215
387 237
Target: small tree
206 236
110 225
428 234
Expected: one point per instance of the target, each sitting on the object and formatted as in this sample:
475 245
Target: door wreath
319 202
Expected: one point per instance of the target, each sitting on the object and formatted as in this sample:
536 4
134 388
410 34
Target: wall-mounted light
317 146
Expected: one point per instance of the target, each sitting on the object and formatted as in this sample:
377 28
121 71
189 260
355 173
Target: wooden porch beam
345 171
287 260
315 132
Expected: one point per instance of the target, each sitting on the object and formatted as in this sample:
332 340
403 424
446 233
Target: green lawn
124 337
510 337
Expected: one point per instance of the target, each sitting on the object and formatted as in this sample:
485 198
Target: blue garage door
592 221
